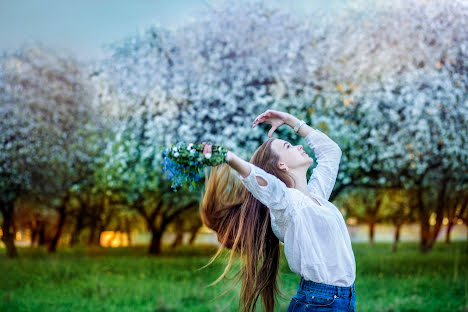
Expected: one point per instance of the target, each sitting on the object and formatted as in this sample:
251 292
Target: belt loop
300 284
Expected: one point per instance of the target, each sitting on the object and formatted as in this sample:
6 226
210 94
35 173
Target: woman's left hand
275 118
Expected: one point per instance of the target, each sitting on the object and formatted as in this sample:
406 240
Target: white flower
219 149
192 151
176 154
189 147
174 149
208 155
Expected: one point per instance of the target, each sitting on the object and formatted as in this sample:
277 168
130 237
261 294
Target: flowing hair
242 224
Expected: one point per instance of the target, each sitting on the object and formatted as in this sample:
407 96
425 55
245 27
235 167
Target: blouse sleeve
328 155
274 195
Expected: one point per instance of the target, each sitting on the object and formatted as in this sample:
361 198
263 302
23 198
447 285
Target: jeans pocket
317 299
297 304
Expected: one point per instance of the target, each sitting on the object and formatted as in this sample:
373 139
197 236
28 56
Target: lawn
126 279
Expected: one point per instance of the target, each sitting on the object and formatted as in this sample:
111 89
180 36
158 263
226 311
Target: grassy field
126 279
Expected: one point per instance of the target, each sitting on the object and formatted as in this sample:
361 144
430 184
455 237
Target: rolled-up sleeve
328 155
274 195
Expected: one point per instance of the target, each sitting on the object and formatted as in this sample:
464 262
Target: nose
300 148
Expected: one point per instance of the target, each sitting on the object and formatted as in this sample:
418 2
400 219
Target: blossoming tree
47 119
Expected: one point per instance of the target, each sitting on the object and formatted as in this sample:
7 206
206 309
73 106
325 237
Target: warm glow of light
445 221
432 219
351 221
205 229
113 239
460 221
18 235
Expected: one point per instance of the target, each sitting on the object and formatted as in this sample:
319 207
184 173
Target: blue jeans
313 296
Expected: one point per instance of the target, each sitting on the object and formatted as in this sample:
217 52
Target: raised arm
264 186
328 155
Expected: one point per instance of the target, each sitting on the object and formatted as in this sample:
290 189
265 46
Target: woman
279 204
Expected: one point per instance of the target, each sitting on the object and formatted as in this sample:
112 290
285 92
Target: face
291 156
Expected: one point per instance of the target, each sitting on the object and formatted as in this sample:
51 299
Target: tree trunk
75 237
155 245
439 213
92 233
396 237
42 234
127 229
157 231
371 233
95 232
449 230
424 244
80 222
34 235
129 238
193 234
61 221
178 239
8 234
179 227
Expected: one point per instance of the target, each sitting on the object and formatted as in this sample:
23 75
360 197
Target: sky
81 27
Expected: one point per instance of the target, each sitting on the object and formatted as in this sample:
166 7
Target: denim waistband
340 291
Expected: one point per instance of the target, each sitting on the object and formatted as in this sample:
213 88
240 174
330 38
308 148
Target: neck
300 177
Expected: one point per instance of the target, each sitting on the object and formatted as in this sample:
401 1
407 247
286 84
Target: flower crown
182 162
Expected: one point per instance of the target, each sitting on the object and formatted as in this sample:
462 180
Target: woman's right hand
207 148
275 118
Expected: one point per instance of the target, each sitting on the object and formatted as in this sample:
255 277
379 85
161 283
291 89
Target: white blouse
316 240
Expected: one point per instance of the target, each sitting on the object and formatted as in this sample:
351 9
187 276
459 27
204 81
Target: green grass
126 279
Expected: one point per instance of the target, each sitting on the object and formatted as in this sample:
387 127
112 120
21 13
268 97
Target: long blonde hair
242 224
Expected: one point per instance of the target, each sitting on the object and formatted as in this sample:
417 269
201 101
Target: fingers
270 133
207 147
261 118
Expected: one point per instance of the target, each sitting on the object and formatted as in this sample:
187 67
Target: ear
283 166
